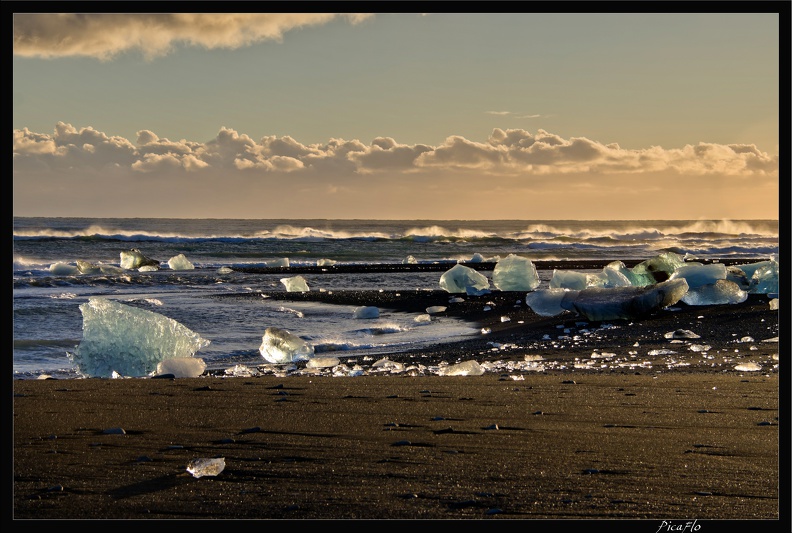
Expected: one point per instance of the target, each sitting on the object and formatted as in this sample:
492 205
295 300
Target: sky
535 116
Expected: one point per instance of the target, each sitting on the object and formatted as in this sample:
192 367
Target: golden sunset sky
397 115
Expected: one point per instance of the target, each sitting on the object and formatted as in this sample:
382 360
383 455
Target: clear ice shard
547 302
721 292
129 341
515 273
459 278
598 303
281 346
465 368
697 275
206 466
295 284
366 312
134 259
180 262
182 367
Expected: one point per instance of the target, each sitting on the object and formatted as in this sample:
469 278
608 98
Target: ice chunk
280 262
63 269
366 312
323 362
547 302
281 346
128 340
681 334
465 368
697 275
616 273
423 319
133 259
434 309
110 269
574 280
295 284
182 367
206 466
598 303
325 262
660 267
721 292
459 278
477 258
179 262
748 367
88 268
410 260
765 279
774 304
225 270
515 273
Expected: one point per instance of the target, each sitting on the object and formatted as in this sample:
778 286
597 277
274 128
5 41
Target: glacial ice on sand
130 341
281 346
206 466
133 259
280 262
366 312
660 267
180 262
459 278
697 274
721 292
63 269
515 273
465 368
599 303
547 302
182 367
573 280
295 284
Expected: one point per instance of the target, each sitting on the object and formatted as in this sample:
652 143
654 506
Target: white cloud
103 36
511 152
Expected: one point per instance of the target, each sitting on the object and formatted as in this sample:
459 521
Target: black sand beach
660 442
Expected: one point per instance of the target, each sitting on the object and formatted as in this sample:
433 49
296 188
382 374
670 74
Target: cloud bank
511 152
103 36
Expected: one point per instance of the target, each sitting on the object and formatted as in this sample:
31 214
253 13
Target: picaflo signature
678 527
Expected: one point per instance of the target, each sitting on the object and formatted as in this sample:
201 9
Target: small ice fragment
422 319
505 319
681 334
63 269
325 262
434 309
281 346
410 260
281 262
206 466
661 352
225 270
466 368
180 262
182 367
774 304
295 284
323 362
748 367
366 312
133 260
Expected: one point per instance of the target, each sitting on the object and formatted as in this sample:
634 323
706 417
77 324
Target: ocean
47 289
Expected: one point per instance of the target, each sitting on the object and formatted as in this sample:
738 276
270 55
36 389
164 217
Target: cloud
510 152
103 36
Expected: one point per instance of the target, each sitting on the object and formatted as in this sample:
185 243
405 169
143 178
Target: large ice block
599 303
459 278
128 340
515 273
281 346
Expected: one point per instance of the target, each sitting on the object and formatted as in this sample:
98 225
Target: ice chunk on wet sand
182 367
547 302
721 292
128 340
465 368
281 346
459 278
134 259
366 312
515 273
295 284
598 304
180 262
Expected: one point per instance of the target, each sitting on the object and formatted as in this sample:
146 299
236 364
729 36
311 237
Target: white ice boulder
63 269
660 267
465 368
295 284
459 278
719 293
281 346
599 303
697 275
366 312
515 273
88 268
133 259
574 280
547 302
182 367
281 262
180 262
128 340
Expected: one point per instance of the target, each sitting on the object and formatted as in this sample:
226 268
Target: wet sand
659 442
